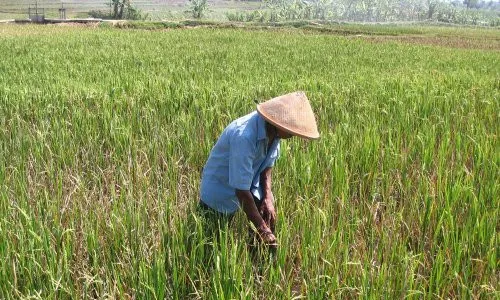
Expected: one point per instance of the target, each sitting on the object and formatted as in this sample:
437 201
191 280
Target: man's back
235 162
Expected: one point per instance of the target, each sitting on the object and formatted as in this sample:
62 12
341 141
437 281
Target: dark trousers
214 222
210 215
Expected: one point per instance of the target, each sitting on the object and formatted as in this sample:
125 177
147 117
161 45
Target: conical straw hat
292 113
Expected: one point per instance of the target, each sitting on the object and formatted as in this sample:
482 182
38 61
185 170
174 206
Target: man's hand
267 237
268 212
254 216
248 204
267 207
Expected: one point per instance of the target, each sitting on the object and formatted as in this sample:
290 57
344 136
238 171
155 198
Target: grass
103 133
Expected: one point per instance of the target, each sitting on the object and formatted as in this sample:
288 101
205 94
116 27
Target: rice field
104 131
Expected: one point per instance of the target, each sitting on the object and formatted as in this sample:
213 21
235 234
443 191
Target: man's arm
267 208
250 209
265 181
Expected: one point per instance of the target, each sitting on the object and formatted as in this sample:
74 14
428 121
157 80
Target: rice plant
103 133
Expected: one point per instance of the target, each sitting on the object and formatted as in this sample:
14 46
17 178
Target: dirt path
443 41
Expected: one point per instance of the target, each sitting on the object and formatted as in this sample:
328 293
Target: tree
198 8
431 8
119 10
120 7
470 3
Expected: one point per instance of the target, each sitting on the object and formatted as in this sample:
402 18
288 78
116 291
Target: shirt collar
261 128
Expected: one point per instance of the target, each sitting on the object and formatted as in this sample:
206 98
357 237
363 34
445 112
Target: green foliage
149 25
120 10
198 8
377 11
103 133
457 15
252 16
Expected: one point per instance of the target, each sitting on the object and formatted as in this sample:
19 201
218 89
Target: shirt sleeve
273 157
241 157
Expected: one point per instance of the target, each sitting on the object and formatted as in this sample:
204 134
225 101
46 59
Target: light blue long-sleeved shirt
236 161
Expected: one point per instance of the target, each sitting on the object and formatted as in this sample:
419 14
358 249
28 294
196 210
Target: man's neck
271 133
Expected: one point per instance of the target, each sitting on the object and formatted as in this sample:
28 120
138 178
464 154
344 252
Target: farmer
238 171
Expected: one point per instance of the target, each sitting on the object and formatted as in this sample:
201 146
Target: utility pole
62 12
